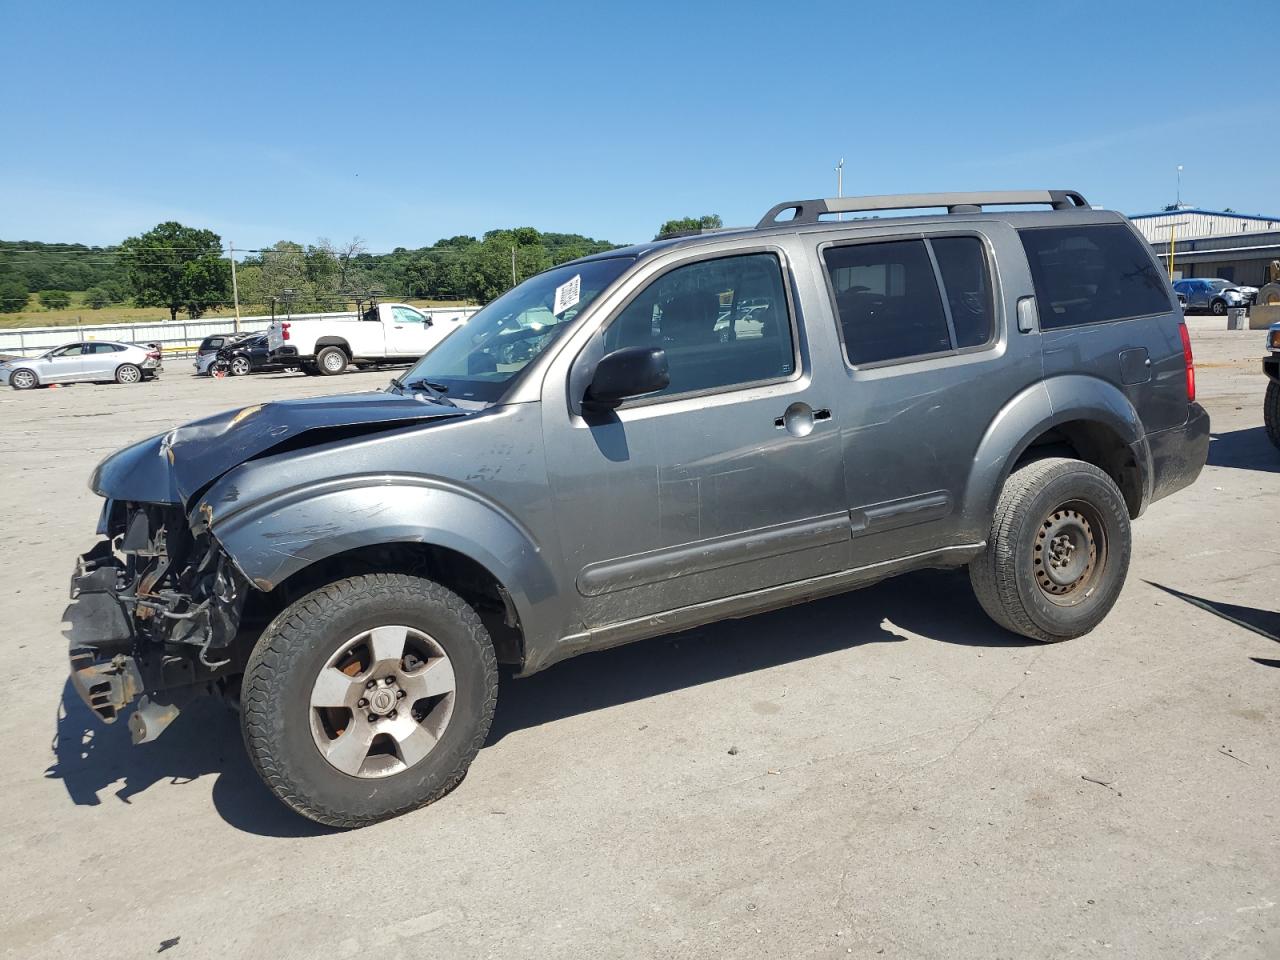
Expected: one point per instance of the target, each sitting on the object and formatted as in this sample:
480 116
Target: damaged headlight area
155 608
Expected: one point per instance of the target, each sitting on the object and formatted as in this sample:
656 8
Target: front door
727 481
408 334
64 364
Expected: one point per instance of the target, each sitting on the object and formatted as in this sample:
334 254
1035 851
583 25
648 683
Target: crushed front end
155 609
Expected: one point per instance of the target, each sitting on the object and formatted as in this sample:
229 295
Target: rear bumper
1178 454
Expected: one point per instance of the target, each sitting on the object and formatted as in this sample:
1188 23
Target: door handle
799 419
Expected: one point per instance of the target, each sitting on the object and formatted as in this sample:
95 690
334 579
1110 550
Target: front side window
479 360
1092 274
722 323
74 350
887 301
405 315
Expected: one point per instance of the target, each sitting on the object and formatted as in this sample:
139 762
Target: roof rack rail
811 211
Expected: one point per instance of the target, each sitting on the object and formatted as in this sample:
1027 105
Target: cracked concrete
909 780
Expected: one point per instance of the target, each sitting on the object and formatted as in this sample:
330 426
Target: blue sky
403 123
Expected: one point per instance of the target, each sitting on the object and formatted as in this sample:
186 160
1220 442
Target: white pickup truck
382 333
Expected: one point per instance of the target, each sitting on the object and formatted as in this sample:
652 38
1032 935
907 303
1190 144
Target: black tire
331 361
239 367
1219 308
18 381
309 370
276 716
1010 578
128 373
1271 412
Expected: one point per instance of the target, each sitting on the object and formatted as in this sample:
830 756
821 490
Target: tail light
1189 360
284 330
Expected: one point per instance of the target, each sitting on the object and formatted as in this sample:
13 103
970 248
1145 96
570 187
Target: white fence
176 336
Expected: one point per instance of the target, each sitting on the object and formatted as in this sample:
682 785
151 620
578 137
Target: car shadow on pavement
935 604
1248 449
98 763
1263 622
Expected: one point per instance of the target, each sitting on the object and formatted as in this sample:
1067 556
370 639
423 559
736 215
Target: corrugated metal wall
1194 224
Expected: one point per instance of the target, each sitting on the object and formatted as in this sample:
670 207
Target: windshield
1219 284
479 360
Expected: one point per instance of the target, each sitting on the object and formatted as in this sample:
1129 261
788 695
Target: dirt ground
908 781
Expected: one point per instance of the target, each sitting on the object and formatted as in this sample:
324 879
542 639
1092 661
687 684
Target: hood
172 467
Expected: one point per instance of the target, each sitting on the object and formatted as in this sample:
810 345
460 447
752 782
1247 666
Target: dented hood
172 467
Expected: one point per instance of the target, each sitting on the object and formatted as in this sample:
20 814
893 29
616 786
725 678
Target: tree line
187 269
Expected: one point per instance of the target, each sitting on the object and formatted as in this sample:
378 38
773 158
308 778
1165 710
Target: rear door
99 361
929 356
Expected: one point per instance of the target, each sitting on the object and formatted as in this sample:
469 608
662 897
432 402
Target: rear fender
1031 413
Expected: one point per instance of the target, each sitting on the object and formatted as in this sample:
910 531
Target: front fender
1039 408
272 540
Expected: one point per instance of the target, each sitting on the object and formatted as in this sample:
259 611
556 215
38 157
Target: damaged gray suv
656 437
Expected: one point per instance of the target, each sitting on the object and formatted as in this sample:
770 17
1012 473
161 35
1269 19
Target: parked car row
90 361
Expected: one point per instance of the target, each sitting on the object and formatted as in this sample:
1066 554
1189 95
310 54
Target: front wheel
1057 553
1219 308
239 366
368 698
1271 412
128 373
24 380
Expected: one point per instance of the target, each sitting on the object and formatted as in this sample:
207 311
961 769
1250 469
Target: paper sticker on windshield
567 295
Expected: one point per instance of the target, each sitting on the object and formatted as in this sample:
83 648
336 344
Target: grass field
78 313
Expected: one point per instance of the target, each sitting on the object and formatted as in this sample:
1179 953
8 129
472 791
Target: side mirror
626 373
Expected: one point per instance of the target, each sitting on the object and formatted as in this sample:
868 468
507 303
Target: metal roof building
1213 243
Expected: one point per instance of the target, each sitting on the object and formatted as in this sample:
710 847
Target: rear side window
1092 274
891 307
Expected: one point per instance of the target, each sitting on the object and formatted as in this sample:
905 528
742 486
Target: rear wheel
239 366
24 379
1057 553
309 370
1271 412
368 698
128 373
331 361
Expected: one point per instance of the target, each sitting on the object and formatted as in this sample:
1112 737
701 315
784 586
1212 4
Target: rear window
1092 274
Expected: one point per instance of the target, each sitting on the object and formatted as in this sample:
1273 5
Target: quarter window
721 322
1090 274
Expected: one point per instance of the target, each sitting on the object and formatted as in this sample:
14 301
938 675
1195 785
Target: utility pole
1178 204
235 287
513 266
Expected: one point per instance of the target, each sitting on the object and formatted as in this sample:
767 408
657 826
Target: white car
384 333
88 361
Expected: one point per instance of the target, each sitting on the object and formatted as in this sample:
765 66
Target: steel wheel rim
334 361
1069 553
382 702
130 375
24 379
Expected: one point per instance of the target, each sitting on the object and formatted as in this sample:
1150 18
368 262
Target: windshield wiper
436 391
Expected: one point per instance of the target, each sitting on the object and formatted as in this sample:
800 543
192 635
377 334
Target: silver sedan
90 361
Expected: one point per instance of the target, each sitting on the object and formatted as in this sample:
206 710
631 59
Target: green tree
13 292
55 299
687 224
97 297
178 267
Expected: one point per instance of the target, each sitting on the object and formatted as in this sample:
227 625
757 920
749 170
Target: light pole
840 184
1179 203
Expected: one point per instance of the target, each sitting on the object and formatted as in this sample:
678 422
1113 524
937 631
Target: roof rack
811 211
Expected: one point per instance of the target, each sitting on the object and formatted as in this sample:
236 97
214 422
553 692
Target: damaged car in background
643 441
